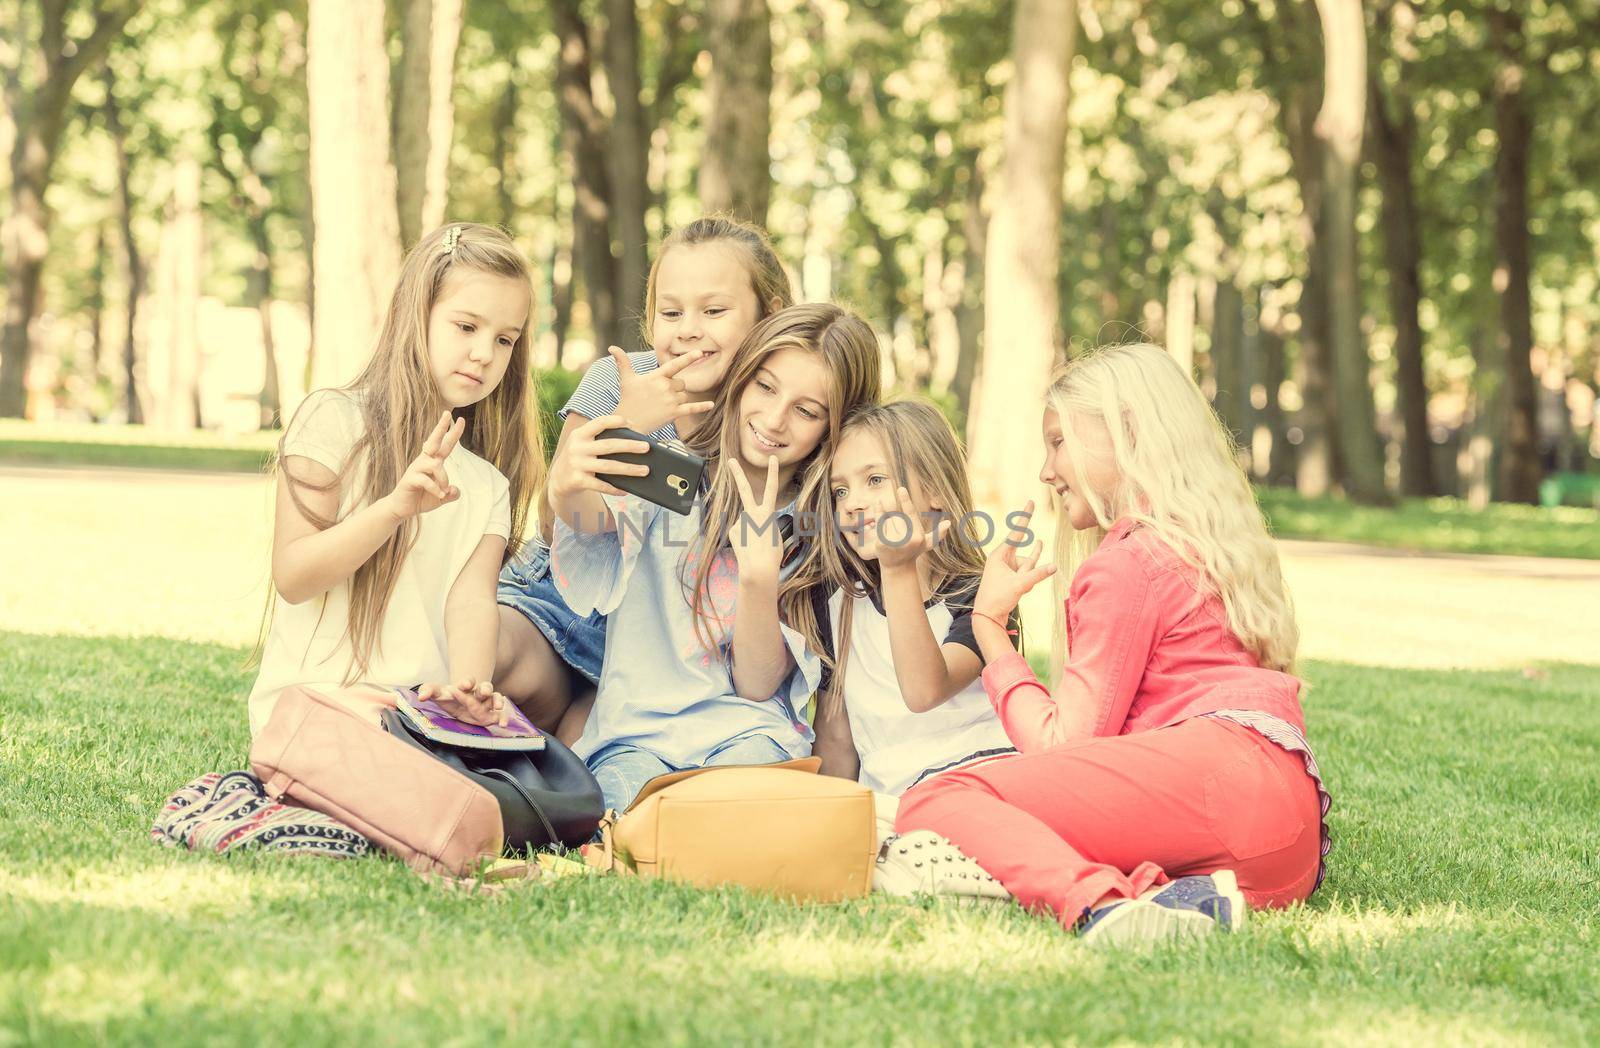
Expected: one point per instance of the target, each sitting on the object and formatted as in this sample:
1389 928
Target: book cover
432 722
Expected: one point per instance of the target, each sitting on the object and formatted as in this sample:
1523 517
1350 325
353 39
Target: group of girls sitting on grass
828 590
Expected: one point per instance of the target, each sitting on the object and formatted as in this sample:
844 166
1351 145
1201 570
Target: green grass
1459 906
1441 525
83 444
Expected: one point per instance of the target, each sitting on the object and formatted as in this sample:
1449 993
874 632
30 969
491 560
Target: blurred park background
1372 228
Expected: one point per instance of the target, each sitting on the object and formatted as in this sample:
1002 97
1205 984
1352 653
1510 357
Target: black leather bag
546 796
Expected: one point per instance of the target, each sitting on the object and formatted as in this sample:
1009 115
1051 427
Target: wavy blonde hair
400 404
849 350
1179 476
939 467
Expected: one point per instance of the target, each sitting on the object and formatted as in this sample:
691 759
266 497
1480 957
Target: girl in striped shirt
712 281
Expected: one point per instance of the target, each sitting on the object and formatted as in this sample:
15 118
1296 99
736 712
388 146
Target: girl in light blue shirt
712 643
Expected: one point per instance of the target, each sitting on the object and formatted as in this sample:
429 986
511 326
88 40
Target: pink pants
1067 827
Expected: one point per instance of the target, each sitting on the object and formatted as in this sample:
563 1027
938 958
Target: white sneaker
923 863
1130 921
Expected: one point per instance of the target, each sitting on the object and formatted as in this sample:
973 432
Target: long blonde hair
768 279
400 404
849 350
939 468
1179 476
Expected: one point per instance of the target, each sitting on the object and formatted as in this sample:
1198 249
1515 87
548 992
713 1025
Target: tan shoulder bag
776 828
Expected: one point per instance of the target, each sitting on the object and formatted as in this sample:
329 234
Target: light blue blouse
661 689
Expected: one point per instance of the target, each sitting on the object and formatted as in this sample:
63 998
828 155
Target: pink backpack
324 757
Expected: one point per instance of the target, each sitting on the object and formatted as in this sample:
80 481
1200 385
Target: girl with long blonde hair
711 650
400 494
1164 784
903 701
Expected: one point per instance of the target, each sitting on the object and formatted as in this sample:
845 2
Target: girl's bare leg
528 671
577 716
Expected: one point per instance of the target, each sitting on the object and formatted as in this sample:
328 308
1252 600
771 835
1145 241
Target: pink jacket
1147 650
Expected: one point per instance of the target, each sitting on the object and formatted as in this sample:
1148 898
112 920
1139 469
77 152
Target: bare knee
575 718
529 672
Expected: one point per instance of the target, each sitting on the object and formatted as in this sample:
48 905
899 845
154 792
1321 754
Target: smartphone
675 471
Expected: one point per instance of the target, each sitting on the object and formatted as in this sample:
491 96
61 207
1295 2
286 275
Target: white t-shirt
895 745
308 642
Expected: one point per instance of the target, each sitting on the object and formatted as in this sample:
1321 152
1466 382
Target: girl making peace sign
711 646
400 494
713 280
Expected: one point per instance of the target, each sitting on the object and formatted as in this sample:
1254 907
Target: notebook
432 722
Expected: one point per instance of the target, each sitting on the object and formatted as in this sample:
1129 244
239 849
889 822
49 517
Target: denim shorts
527 585
622 770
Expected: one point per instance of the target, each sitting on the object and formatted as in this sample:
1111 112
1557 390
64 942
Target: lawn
1441 525
80 444
1459 906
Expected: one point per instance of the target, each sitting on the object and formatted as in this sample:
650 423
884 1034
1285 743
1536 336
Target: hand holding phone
671 477
583 465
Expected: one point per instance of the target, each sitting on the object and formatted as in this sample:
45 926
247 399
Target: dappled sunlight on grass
922 939
106 553
1348 924
176 890
1410 1026
1441 612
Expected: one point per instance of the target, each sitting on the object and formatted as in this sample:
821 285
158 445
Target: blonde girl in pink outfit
1164 783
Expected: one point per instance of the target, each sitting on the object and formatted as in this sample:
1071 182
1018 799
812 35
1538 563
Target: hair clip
452 236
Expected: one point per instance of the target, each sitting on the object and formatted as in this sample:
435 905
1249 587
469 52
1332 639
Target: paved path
178 554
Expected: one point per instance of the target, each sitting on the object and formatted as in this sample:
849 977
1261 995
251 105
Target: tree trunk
261 295
560 270
969 311
135 264
629 168
1279 466
1232 400
357 231
505 150
183 264
1178 328
37 96
97 307
1339 126
1316 459
1392 141
1477 459
424 115
1519 464
1023 252
734 175
1111 270
583 134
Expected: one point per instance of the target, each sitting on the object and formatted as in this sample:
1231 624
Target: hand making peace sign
651 400
754 536
1005 579
918 542
425 486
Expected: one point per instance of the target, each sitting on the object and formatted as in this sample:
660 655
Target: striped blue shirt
600 391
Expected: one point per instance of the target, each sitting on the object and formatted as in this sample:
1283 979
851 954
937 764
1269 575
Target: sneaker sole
1228 887
1140 920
